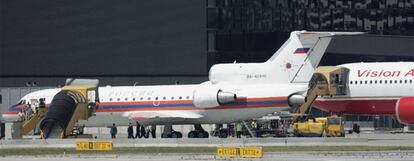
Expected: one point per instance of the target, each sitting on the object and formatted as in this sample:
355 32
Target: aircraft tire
192 134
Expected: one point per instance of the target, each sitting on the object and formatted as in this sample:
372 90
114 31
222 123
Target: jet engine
296 100
210 97
404 110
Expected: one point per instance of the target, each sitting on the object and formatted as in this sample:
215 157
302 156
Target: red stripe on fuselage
359 107
191 108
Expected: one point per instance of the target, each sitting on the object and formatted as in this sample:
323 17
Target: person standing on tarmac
142 131
138 134
153 128
130 131
238 129
114 130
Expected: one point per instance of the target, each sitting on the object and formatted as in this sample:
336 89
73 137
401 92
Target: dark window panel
276 20
338 19
248 19
361 14
381 20
312 19
382 4
325 19
350 20
392 3
212 18
286 19
283 3
258 19
267 19
299 19
313 4
390 19
211 3
370 20
227 18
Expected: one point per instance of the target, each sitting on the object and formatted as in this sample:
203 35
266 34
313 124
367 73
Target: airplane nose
10 114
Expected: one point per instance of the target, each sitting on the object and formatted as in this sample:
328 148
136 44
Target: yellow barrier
94 145
240 152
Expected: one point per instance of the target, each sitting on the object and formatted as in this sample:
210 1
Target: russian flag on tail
301 51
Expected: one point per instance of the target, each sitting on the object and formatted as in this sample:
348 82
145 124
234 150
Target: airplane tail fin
297 58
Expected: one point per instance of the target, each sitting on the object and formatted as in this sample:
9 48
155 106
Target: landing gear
199 132
170 133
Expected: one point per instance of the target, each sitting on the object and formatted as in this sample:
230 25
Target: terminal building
168 42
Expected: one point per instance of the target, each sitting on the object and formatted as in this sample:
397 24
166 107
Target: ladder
249 128
30 124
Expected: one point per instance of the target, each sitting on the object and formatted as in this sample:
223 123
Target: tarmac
364 139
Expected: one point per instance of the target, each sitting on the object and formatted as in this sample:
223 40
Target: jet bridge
72 103
326 81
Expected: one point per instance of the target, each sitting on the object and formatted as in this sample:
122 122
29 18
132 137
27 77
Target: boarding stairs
326 81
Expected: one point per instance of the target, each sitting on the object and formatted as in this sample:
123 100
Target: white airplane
376 89
234 92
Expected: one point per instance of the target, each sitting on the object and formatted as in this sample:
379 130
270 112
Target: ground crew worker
114 130
130 131
238 129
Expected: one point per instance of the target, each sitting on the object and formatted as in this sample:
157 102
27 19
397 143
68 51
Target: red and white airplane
234 92
376 89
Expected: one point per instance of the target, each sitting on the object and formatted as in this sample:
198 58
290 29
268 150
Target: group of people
30 109
141 131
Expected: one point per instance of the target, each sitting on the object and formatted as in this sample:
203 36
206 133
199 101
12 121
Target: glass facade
251 30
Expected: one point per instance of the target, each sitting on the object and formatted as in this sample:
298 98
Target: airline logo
384 73
301 51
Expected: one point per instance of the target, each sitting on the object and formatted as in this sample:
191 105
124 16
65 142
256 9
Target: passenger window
126 99
411 81
400 81
119 99
370 82
405 81
110 100
360 82
156 98
366 82
149 98
375 82
188 97
180 97
390 81
380 81
385 81
172 98
164 98
350 82
356 82
133 99
142 98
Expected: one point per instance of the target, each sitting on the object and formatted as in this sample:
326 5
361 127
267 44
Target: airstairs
72 103
326 81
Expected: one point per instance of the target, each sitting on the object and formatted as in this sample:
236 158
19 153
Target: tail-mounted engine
212 97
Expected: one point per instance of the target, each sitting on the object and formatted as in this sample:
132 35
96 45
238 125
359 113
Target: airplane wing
161 115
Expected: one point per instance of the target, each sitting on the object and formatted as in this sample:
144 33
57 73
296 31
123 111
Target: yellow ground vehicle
330 126
334 127
310 128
